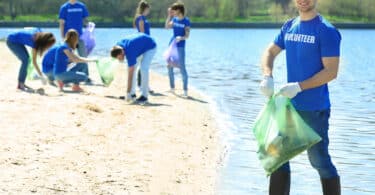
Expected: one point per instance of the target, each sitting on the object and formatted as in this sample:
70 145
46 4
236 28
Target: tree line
198 10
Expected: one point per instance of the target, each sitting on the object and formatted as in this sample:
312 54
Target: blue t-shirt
179 29
73 15
49 59
136 45
145 22
61 60
24 37
306 43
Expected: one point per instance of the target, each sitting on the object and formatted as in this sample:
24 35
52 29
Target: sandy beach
95 143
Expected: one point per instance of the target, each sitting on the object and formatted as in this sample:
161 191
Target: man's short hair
115 51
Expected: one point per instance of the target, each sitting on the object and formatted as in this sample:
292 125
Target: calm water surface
225 65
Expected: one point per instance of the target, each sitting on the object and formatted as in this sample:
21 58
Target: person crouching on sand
133 47
39 42
65 56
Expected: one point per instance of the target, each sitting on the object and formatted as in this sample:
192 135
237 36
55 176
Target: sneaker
25 88
133 96
77 88
172 91
142 100
88 82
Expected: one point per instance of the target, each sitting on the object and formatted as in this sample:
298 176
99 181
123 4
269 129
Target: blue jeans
185 77
318 154
82 52
50 75
74 75
20 51
145 62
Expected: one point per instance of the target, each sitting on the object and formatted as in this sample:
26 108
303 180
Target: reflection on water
225 65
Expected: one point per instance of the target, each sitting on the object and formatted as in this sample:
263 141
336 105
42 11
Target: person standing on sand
133 47
181 31
73 14
143 26
312 48
65 56
39 42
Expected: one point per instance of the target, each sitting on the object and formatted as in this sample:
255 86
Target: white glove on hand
129 98
44 80
266 86
290 90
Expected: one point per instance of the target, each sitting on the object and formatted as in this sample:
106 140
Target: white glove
44 80
129 97
266 86
290 90
178 39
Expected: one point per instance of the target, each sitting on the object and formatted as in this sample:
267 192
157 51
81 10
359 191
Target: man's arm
329 73
62 26
130 78
268 59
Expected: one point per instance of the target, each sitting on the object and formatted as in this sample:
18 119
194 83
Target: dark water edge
234 25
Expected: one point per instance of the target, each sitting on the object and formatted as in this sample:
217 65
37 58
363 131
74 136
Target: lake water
225 65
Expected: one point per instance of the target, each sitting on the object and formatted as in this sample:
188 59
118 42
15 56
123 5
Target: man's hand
43 79
290 90
267 86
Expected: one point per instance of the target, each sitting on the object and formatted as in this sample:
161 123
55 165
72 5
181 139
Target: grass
252 19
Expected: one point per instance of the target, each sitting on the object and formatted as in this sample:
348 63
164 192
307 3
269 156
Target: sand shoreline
97 144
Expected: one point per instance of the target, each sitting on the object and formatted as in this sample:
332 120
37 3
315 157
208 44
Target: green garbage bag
281 134
31 72
106 68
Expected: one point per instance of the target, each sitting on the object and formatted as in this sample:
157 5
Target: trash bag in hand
171 55
281 134
89 38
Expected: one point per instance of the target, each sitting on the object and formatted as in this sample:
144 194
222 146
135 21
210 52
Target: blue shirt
73 15
49 60
24 37
135 46
179 29
145 22
61 60
306 43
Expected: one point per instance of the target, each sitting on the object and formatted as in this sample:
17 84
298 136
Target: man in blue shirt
73 14
312 48
132 48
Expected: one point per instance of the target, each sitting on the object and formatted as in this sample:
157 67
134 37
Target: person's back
25 37
61 59
135 45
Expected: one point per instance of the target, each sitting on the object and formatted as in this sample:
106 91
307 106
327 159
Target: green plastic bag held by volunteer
106 68
281 134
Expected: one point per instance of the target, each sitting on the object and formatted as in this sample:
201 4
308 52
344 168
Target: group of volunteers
61 65
312 48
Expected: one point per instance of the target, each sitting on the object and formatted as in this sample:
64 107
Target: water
225 65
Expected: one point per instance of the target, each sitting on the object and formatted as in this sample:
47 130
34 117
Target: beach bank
95 143
196 25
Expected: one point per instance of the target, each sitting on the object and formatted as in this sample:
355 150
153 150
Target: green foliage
204 10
